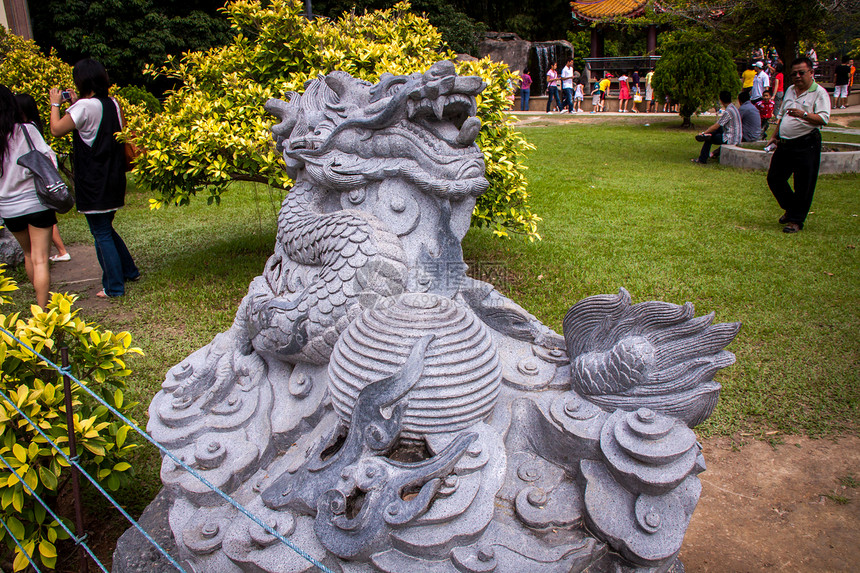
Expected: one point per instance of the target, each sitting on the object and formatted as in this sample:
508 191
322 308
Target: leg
58 241
23 238
807 161
715 139
548 99
40 250
101 227
781 168
524 100
557 100
129 268
36 244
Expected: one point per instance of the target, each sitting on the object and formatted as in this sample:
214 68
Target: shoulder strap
27 137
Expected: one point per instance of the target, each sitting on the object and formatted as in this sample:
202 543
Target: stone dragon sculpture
385 412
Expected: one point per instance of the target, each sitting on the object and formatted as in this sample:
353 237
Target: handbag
132 152
52 190
637 98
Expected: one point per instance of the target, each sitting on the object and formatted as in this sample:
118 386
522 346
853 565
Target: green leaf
121 435
16 527
47 550
19 451
49 480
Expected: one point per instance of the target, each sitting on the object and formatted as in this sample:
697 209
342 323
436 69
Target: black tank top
100 168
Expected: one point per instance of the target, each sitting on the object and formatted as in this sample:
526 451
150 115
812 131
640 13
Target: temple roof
602 9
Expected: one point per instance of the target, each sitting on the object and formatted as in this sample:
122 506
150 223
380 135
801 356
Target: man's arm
711 129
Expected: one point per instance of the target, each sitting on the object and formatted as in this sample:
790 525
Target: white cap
758 65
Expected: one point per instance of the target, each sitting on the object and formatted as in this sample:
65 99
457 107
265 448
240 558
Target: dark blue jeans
524 99
114 258
552 92
567 101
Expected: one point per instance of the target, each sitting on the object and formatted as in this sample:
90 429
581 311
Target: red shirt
765 108
778 86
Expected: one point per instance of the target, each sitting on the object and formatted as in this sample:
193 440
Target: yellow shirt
604 85
748 77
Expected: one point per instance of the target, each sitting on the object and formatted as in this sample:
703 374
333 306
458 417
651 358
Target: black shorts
41 220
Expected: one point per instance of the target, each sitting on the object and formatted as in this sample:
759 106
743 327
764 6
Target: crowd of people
93 118
566 91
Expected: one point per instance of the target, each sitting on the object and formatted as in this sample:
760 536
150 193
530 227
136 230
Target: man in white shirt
760 83
567 86
805 108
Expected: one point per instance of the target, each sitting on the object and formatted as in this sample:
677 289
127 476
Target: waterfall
545 53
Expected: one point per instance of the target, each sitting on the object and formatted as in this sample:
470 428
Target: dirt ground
791 506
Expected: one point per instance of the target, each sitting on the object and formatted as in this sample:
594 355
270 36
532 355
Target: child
596 101
577 98
765 110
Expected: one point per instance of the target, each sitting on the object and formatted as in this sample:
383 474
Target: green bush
24 69
692 71
97 358
140 97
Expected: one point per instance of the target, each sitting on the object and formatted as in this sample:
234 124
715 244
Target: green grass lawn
622 206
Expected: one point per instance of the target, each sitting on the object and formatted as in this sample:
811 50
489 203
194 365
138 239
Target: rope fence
80 540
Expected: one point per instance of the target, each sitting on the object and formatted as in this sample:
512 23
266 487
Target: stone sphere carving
462 374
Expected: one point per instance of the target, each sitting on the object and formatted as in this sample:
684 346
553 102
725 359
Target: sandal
60 258
102 294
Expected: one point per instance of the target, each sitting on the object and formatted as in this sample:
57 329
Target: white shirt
760 83
814 100
87 115
567 72
17 188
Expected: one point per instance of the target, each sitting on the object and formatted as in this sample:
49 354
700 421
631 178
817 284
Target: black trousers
715 139
801 158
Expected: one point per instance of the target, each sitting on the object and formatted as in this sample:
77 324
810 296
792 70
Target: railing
79 537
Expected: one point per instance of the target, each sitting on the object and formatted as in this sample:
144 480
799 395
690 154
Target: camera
65 95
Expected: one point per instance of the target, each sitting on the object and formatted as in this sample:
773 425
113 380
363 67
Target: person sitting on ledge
727 130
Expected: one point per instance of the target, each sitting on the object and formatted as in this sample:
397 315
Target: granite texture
385 412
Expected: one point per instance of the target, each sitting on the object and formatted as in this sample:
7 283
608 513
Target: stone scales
386 413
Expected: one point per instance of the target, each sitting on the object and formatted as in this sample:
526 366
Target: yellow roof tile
599 9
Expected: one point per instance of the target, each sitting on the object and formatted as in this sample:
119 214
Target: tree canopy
214 131
693 71
125 36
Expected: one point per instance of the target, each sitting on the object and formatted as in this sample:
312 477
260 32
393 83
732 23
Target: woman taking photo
99 162
23 214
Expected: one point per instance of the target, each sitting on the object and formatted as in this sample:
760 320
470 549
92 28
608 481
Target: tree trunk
686 121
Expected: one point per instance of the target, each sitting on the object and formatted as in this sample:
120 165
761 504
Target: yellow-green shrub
214 130
97 358
24 69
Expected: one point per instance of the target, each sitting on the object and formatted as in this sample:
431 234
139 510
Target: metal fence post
73 454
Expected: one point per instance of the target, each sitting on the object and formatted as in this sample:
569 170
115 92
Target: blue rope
18 543
45 505
92 481
177 461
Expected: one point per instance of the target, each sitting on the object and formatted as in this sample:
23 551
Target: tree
739 24
125 36
214 130
693 71
25 69
460 33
